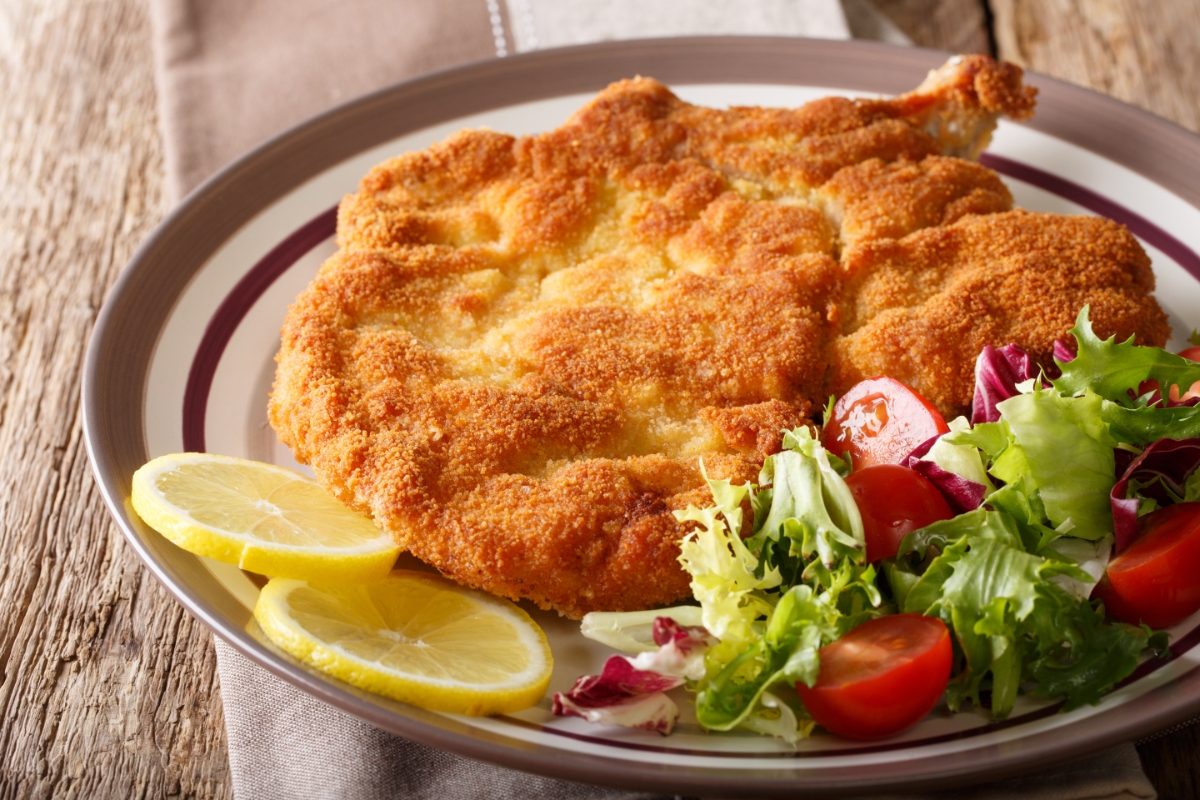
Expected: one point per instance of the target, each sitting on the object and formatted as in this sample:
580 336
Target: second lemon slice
413 637
263 518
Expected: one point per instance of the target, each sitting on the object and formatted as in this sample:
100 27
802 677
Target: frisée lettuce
776 590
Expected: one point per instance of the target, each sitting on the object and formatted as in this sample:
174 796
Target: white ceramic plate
182 360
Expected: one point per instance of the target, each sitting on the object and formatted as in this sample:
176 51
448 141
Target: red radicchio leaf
1161 470
1064 350
684 637
624 694
963 494
653 712
998 370
618 680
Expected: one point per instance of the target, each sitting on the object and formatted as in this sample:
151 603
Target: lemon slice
415 638
263 518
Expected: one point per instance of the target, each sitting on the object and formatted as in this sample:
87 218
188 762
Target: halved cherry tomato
882 677
1155 579
880 421
894 501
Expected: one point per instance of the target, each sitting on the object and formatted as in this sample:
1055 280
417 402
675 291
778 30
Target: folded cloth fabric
285 744
231 74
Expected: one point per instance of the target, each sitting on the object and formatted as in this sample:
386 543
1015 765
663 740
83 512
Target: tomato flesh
1174 393
1153 581
880 421
894 501
882 677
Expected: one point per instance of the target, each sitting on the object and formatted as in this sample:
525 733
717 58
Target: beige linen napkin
231 74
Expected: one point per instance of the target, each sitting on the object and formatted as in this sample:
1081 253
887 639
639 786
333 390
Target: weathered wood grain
1146 53
107 686
958 26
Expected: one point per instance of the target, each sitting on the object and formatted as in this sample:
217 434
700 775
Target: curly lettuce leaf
1116 370
787 652
933 541
1144 425
1091 656
726 579
985 590
1117 373
796 582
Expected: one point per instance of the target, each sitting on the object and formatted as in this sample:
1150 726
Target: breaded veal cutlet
524 346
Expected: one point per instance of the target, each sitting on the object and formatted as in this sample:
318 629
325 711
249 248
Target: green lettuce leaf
1062 449
1115 370
1143 425
812 523
961 457
797 582
787 652
988 438
726 579
1078 656
950 539
1017 616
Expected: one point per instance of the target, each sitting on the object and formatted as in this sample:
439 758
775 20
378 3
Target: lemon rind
434 694
372 558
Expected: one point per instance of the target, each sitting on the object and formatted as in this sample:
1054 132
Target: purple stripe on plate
1141 227
791 755
233 310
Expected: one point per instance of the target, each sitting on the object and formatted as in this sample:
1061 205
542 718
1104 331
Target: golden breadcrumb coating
523 347
920 309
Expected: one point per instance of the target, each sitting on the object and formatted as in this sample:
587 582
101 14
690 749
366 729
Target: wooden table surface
107 686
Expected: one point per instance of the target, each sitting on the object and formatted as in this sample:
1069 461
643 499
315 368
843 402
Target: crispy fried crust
523 346
921 308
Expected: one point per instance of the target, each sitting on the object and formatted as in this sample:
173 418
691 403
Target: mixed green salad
892 561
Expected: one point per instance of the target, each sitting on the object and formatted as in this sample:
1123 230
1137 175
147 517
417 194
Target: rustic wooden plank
1147 54
958 26
107 687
